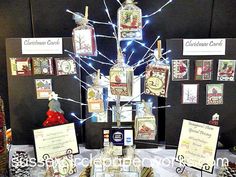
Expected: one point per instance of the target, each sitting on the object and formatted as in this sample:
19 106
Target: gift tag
130 21
83 36
203 69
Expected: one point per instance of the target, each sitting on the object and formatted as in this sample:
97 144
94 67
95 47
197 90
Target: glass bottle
97 96
129 21
83 36
157 75
121 78
145 124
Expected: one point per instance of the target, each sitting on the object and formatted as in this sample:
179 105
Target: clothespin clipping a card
158 53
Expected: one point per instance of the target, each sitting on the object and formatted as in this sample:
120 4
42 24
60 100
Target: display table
160 158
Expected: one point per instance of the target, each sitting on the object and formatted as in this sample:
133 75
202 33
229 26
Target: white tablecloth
161 159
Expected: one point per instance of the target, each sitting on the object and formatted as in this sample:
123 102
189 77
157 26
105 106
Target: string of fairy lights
147 58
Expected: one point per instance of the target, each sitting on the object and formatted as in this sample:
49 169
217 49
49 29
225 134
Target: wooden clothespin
120 57
97 77
159 53
86 13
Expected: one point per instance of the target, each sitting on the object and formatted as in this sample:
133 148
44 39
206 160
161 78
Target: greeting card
180 70
226 70
190 93
214 94
65 66
20 66
203 69
43 88
157 80
42 65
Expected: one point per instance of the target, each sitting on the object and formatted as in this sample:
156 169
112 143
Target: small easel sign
197 146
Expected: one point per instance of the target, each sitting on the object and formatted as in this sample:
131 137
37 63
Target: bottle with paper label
145 122
121 77
130 21
157 76
97 96
83 36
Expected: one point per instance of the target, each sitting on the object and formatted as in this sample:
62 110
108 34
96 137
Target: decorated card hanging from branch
203 69
180 70
145 122
129 21
214 94
157 76
121 78
97 96
84 39
226 70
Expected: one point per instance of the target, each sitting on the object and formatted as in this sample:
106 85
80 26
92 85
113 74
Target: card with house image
43 88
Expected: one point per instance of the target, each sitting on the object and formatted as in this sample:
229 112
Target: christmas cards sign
197 145
195 47
41 45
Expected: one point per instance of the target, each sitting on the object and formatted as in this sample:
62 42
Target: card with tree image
190 93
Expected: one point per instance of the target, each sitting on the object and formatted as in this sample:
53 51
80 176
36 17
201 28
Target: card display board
26 111
200 112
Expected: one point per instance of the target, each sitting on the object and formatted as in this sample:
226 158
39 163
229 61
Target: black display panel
200 112
26 111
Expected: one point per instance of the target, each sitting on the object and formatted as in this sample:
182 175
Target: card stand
69 154
49 160
180 170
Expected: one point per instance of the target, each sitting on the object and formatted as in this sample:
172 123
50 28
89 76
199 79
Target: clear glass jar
121 78
129 21
83 36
